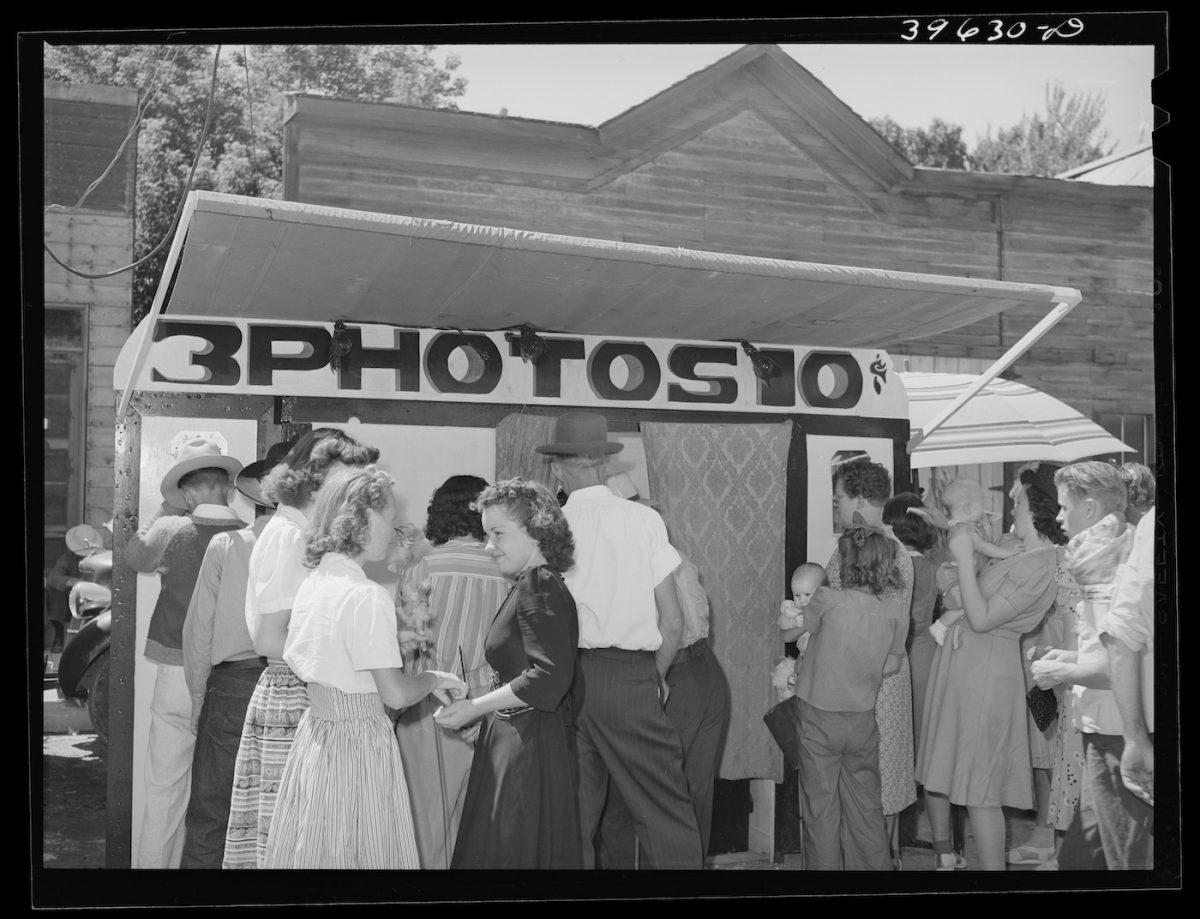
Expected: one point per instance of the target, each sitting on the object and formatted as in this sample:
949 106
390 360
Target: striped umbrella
1006 422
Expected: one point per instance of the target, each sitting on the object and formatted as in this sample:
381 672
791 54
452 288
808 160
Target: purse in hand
1043 705
783 721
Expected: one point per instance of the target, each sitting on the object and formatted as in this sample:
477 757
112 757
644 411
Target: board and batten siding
740 170
84 127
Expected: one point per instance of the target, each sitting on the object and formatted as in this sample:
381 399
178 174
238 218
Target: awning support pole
1006 360
143 351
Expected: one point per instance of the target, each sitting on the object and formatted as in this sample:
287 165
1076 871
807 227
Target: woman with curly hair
861 486
276 571
974 744
857 640
520 809
452 593
343 800
1047 746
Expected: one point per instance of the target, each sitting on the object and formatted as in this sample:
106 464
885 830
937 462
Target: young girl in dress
280 698
343 800
856 639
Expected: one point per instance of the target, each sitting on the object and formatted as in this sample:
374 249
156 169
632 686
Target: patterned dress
893 705
279 701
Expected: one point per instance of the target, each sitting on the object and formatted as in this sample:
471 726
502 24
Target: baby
964 505
805 581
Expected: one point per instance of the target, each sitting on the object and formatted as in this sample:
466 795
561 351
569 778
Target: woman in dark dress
520 809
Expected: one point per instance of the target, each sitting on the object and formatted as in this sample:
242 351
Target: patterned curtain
516 436
722 491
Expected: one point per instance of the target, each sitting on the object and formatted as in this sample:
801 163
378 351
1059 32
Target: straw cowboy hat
250 478
580 434
197 453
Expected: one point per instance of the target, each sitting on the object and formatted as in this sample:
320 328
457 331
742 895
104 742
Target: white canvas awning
247 257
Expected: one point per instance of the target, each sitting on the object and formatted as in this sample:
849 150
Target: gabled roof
760 78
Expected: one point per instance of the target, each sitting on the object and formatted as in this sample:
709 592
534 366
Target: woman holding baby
974 744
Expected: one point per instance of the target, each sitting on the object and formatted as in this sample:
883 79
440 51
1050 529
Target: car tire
96 681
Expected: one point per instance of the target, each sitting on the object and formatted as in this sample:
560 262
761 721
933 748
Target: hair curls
340 522
1139 485
871 564
861 478
1043 504
299 474
450 512
532 505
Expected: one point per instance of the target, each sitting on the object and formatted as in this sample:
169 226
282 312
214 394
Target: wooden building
86 321
755 156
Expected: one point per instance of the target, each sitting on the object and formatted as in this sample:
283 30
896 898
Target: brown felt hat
580 434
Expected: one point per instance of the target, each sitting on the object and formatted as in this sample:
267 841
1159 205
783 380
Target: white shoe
1029 855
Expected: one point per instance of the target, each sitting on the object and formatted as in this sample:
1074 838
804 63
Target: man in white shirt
623 589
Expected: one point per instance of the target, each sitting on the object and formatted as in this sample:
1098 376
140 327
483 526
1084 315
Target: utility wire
182 198
152 91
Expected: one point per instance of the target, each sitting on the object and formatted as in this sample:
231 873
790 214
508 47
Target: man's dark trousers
698 706
624 734
230 686
1112 828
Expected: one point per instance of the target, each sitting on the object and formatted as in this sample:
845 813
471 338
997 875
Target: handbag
1043 706
783 721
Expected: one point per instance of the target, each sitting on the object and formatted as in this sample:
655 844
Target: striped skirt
278 702
343 801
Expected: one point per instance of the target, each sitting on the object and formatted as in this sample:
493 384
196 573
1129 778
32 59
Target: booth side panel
127 474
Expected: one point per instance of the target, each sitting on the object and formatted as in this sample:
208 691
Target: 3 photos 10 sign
384 362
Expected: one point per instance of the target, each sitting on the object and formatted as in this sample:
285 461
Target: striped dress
456 589
279 700
343 799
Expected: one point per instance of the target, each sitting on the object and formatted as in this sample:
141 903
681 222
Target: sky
974 86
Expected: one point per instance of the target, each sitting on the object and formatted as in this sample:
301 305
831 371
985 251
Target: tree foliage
1065 135
1050 142
243 152
940 145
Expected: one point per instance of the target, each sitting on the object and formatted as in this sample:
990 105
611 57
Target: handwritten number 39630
995 30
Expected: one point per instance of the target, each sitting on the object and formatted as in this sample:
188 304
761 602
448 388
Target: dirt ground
73 801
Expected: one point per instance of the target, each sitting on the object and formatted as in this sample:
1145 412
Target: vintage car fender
91 642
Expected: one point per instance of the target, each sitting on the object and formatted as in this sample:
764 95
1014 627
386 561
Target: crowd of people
539 690
1031 662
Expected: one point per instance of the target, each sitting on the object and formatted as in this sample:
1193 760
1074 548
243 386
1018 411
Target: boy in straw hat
623 589
221 668
196 491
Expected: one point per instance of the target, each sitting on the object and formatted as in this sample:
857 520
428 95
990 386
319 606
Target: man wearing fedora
622 587
196 491
221 668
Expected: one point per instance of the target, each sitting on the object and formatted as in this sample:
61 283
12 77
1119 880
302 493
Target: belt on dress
617 654
505 713
698 648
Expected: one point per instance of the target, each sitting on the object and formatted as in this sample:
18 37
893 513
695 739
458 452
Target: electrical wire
178 210
141 111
